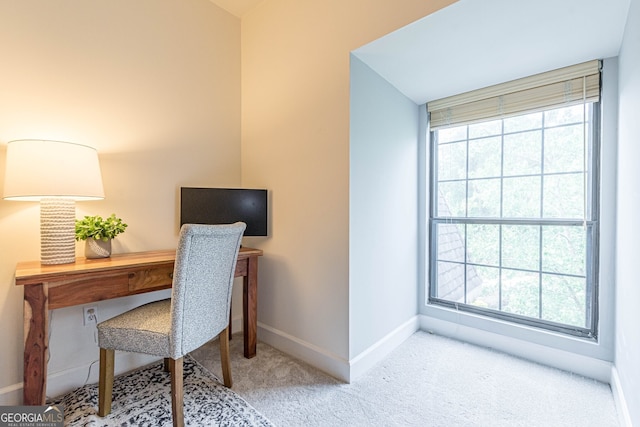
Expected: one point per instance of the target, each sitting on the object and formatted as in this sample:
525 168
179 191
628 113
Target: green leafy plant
94 227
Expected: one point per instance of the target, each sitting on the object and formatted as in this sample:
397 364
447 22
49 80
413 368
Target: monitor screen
225 206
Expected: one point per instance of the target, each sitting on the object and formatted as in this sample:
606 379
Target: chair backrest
202 283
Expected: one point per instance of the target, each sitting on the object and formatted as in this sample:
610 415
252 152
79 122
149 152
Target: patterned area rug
143 398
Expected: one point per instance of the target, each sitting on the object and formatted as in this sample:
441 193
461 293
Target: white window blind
565 86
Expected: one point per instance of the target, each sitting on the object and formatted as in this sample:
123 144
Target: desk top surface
29 272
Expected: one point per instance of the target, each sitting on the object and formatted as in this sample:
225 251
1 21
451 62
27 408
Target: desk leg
250 307
36 326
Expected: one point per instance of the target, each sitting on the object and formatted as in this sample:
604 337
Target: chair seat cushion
145 329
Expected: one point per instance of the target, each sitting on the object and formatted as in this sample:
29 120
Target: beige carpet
428 381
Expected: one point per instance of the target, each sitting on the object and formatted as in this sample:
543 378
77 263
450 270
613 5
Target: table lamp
56 174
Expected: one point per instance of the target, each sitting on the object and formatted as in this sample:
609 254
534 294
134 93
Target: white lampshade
37 169
56 174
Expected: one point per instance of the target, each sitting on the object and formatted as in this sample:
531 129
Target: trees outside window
513 220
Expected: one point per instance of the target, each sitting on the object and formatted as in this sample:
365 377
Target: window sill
580 355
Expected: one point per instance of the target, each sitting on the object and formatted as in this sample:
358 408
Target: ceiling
236 7
472 44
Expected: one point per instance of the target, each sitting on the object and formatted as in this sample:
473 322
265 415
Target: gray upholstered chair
197 311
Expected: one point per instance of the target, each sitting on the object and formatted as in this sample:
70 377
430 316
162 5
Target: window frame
592 224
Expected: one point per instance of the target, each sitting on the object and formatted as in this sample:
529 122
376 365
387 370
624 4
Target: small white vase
97 248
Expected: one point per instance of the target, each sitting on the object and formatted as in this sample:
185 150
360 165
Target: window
513 224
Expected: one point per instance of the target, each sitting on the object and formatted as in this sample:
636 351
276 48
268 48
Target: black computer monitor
225 206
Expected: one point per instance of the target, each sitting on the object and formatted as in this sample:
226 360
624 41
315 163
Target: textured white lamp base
57 231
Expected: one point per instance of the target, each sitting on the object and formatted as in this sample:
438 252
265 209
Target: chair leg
167 366
177 392
105 384
224 357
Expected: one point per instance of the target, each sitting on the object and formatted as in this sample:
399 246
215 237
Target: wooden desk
47 287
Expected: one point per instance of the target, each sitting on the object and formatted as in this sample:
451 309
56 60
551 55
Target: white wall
383 209
627 354
295 139
154 86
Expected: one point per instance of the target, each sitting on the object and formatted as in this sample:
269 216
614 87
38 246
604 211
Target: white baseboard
315 356
582 365
11 395
619 399
332 364
61 382
380 350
